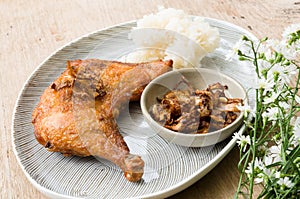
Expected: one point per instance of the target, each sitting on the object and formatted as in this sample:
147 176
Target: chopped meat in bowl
193 107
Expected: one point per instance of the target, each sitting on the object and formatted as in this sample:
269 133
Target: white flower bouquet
270 147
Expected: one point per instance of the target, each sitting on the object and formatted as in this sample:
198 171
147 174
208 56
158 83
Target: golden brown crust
76 113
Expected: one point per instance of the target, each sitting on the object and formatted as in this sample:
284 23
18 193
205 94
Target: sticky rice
172 34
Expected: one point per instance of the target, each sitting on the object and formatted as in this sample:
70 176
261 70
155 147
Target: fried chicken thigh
77 113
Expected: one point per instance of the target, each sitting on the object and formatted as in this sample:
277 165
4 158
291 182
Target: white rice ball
172 34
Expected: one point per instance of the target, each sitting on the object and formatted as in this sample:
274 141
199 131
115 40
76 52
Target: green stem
294 154
255 58
283 142
253 143
264 136
243 156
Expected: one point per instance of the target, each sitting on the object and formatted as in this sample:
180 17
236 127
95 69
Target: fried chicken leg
77 113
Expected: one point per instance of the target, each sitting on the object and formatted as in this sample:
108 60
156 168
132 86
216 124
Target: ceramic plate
169 168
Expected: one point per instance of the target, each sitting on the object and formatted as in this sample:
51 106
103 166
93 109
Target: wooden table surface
31 30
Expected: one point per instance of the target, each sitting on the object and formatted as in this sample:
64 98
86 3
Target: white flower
242 140
246 109
284 72
259 178
271 99
295 122
275 153
271 113
290 29
258 163
295 139
258 168
285 182
277 174
265 84
230 55
268 160
262 148
268 48
297 99
284 105
267 172
297 136
249 169
292 51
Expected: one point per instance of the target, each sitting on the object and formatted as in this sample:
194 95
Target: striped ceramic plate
168 168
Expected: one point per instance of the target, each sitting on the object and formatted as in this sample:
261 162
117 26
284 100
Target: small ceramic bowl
198 78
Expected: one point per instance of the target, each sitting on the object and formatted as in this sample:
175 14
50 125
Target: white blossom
262 148
242 140
292 51
284 105
259 178
285 72
277 63
258 163
277 174
285 182
265 84
295 138
258 167
297 99
263 65
290 29
246 109
297 134
275 153
267 172
272 98
233 52
271 113
295 122
268 48
249 169
268 160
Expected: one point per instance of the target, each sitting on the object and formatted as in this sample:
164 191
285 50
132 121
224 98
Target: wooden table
31 30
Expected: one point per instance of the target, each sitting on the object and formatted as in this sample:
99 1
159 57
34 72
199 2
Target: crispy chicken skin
77 113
